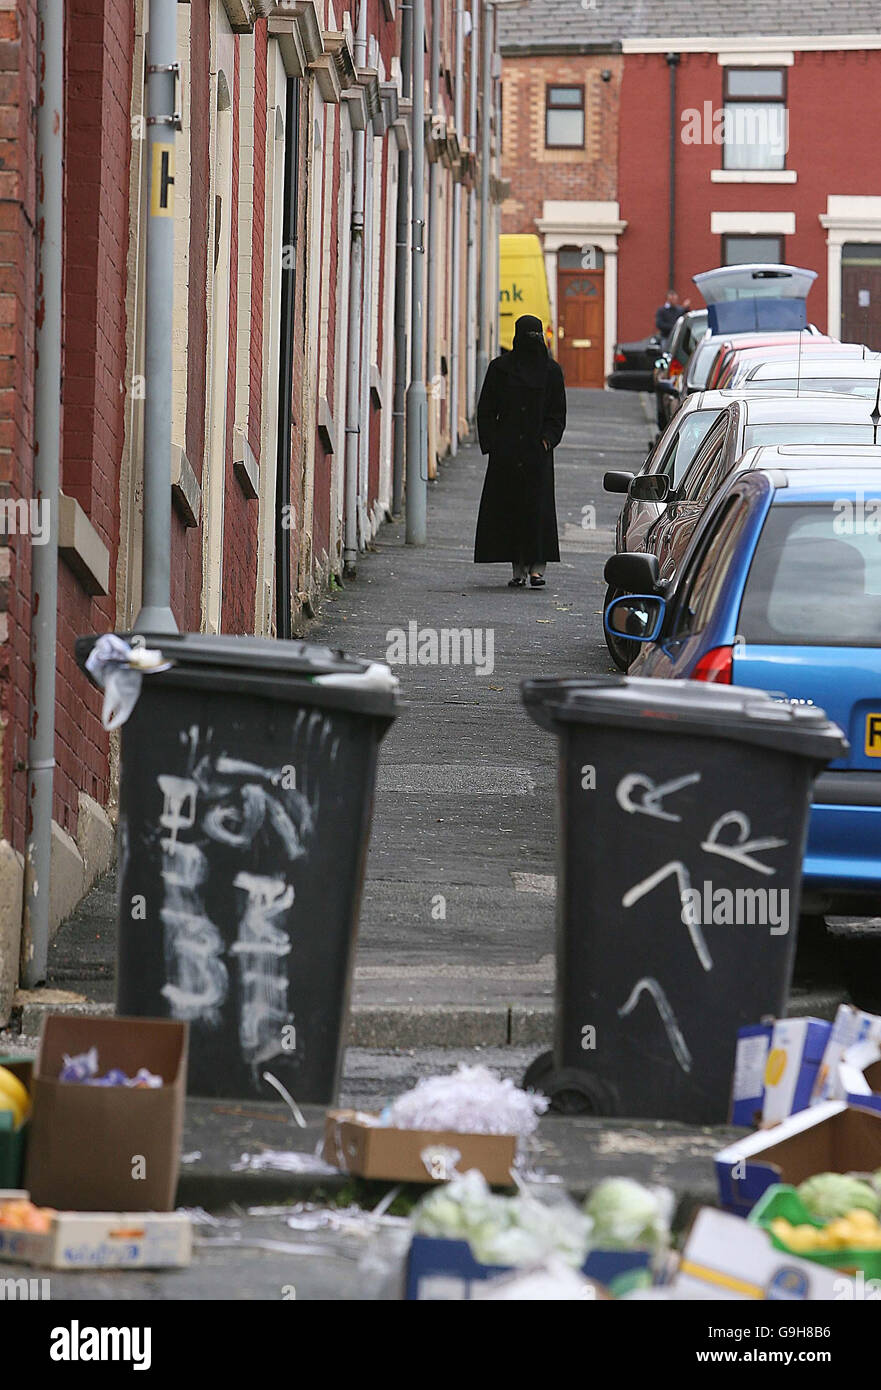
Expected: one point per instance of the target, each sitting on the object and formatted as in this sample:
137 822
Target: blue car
780 590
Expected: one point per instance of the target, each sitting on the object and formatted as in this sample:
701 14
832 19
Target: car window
686 443
815 578
864 387
699 366
694 331
702 582
808 433
703 464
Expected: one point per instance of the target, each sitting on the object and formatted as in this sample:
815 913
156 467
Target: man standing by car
669 312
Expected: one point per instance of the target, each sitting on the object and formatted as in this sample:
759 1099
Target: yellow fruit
14 1096
839 1233
801 1238
864 1219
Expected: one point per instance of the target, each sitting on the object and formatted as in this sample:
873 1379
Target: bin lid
362 680
694 707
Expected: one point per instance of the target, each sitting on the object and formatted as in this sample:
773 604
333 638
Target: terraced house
291 350
647 142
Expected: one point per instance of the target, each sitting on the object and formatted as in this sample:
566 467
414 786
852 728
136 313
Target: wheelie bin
683 812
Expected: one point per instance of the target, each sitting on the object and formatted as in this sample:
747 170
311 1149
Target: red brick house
646 144
272 99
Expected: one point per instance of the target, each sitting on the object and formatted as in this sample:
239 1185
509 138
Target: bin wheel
537 1072
621 651
569 1090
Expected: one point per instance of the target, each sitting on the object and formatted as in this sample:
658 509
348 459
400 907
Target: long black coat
518 518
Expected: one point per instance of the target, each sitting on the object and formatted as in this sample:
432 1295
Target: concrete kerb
409 1025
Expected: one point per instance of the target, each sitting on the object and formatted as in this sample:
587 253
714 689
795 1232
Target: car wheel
622 651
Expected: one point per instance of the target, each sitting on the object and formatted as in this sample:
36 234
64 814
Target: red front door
580 324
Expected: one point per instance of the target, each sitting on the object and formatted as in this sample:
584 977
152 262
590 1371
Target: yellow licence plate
873 735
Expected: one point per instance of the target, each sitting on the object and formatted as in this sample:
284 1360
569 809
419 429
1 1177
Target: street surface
455 953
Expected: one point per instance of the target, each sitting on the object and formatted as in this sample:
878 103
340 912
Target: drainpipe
497 207
402 254
356 290
471 249
455 259
47 453
162 122
367 328
417 424
432 317
672 64
283 625
486 217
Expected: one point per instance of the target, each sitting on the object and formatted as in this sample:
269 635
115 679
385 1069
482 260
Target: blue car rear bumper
843 852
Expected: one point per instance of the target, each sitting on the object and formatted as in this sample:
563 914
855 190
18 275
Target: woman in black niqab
521 416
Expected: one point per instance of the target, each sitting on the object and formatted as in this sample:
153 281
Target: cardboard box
13 1142
107 1148
439 1269
725 1257
851 1026
354 1142
834 1137
794 1058
860 1075
748 1088
101 1240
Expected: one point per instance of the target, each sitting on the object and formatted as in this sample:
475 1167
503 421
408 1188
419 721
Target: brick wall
18 88
240 513
255 397
186 541
832 99
538 174
97 156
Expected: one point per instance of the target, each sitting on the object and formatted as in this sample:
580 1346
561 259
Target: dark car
672 363
634 365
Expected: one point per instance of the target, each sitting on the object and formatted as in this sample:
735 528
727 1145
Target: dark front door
861 295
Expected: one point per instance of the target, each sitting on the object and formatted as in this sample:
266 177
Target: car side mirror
633 572
651 487
666 388
617 482
638 617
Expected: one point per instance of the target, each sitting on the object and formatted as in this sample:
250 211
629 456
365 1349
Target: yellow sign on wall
162 181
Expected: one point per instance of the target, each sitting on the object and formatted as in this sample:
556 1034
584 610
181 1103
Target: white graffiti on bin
198 980
261 948
233 802
637 792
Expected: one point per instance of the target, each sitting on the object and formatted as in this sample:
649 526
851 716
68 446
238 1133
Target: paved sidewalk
459 901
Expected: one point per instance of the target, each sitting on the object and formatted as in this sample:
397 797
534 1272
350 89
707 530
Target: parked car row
748 551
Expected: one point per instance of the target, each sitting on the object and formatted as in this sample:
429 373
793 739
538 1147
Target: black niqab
529 357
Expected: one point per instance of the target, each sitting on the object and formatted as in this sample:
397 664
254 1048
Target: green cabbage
827 1195
627 1215
501 1230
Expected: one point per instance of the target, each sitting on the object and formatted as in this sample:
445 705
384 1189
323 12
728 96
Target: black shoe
516 583
537 581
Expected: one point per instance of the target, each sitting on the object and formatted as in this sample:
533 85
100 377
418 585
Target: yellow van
523 286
